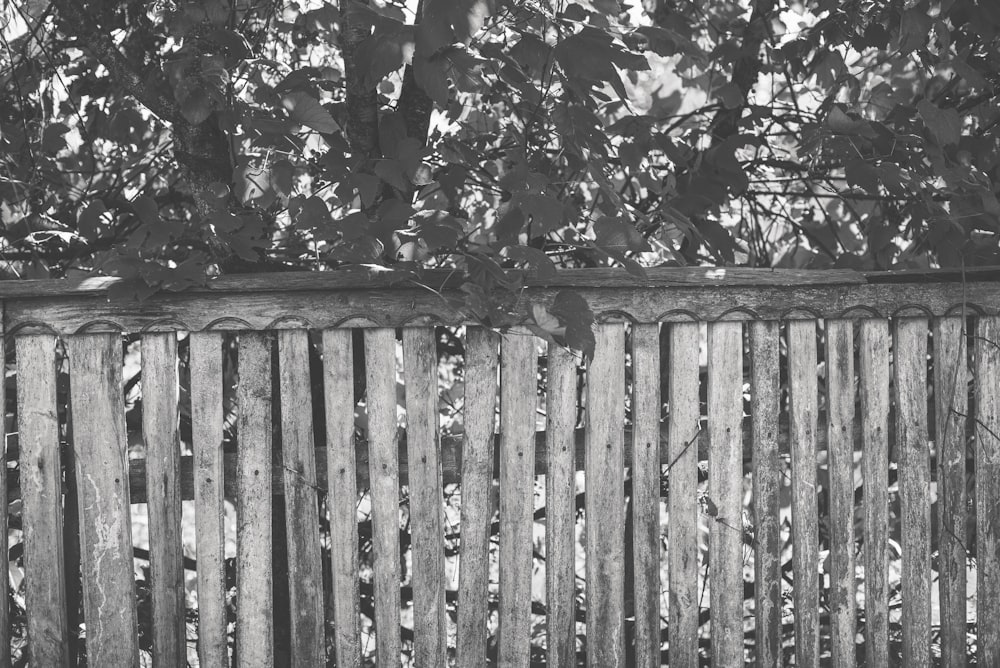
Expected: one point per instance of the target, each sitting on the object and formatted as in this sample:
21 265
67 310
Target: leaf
535 258
146 209
547 213
91 217
575 315
590 57
311 214
282 174
913 29
306 110
861 173
53 139
945 125
391 171
618 235
730 95
196 105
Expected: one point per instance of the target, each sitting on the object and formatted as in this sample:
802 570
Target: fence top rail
286 300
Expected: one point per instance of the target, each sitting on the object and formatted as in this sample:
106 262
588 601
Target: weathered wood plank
254 577
518 373
342 495
4 560
560 508
605 510
98 414
41 499
873 360
951 399
682 462
840 431
805 542
426 496
646 407
298 456
163 452
987 491
725 489
767 469
910 377
205 362
380 365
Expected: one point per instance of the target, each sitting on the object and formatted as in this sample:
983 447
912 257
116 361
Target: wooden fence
871 402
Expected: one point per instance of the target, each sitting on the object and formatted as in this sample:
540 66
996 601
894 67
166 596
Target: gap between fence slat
518 402
987 489
163 452
298 456
342 494
254 558
426 497
41 499
98 414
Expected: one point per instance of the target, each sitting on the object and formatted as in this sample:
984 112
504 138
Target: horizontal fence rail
339 470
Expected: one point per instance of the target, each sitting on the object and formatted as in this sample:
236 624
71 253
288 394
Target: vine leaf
306 110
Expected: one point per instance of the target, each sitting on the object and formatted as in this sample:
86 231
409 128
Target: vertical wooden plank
518 377
987 489
481 360
163 492
805 542
98 413
682 528
426 496
767 467
254 579
342 497
840 444
4 563
560 508
298 456
910 376
646 491
873 359
41 499
951 399
605 507
380 364
725 489
205 362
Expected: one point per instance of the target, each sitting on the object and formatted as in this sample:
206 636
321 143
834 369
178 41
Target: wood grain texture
380 366
767 479
420 367
205 362
725 489
951 403
298 456
254 577
840 432
560 508
910 378
987 492
98 414
163 452
682 470
41 502
805 549
873 362
605 504
518 373
646 408
342 494
4 554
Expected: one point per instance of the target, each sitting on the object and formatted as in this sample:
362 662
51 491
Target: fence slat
951 399
767 468
426 496
254 579
98 414
342 495
682 527
910 366
205 362
4 558
163 458
725 489
380 365
805 542
518 372
41 498
873 360
560 508
987 490
305 569
840 437
646 491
